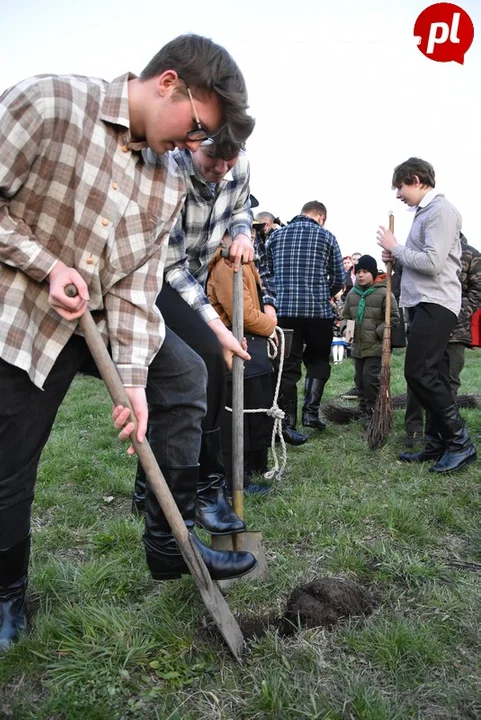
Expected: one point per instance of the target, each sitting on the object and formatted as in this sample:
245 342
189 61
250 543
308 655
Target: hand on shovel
68 292
240 251
121 416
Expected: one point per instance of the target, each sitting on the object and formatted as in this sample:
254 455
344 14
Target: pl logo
444 33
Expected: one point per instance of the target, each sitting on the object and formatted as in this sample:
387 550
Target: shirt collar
306 218
115 107
430 195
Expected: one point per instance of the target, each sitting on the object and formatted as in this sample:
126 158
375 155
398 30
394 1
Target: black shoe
167 563
12 614
460 452
313 421
212 511
435 448
459 449
293 436
313 389
13 586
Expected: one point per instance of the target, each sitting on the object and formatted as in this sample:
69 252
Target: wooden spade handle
238 398
237 393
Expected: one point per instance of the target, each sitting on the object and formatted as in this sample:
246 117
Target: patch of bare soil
323 602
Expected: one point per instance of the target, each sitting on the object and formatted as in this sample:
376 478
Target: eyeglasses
199 133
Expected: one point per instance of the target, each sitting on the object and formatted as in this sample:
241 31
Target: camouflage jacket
470 278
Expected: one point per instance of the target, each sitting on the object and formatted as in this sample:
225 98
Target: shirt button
105 222
90 261
124 148
115 186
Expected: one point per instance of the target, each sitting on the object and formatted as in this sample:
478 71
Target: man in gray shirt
430 287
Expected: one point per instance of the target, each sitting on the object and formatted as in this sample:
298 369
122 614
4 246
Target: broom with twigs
381 421
343 414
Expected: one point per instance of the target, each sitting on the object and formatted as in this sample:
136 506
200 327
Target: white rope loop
274 411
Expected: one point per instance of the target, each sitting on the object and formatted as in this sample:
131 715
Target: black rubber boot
289 431
13 587
164 558
459 448
213 512
313 390
138 498
435 445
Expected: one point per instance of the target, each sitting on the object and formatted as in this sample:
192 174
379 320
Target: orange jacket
219 292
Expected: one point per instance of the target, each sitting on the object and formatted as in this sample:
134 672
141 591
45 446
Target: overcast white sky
340 92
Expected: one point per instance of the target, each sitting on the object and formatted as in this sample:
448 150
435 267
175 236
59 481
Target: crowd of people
127 190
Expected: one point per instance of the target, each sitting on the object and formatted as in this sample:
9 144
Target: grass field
108 643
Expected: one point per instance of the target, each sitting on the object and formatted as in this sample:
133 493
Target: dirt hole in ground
320 603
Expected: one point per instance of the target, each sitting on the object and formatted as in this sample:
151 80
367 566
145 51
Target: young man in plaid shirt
79 204
218 198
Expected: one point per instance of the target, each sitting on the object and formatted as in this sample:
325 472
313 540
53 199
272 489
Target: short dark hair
405 173
225 146
207 68
314 206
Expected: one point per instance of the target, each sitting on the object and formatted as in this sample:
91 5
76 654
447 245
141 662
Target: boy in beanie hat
365 304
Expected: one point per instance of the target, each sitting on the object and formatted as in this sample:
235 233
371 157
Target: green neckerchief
362 301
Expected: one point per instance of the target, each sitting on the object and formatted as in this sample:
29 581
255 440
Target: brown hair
207 68
314 206
225 146
406 172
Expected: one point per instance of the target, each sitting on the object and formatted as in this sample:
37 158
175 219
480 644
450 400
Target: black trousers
426 367
456 352
414 418
258 393
367 379
311 345
187 324
176 392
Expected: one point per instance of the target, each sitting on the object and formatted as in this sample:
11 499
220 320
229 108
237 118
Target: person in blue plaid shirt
308 271
218 198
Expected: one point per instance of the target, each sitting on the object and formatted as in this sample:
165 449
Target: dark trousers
311 345
187 324
176 391
456 364
414 414
258 393
367 378
413 417
426 367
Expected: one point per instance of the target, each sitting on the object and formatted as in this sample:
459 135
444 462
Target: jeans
176 395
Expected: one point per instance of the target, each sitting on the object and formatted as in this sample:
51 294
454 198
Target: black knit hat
367 262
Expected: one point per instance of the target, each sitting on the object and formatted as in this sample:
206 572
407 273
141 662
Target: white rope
274 411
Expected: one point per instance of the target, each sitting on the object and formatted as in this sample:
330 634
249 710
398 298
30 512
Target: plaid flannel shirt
74 188
205 217
307 265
